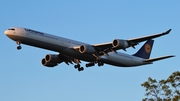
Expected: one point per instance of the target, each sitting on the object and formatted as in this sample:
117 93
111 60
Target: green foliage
163 90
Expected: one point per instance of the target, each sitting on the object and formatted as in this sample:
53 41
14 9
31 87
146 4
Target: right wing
131 42
135 41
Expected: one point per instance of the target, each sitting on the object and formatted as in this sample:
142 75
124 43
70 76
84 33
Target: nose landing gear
19 45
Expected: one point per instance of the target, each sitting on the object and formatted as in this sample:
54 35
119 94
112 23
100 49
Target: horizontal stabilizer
156 59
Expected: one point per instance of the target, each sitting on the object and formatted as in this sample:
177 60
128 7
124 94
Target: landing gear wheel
80 69
19 47
78 65
90 64
87 65
100 64
75 66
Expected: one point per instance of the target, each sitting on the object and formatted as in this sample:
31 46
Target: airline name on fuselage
34 32
40 33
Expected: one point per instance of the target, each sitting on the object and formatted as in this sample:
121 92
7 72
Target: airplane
73 52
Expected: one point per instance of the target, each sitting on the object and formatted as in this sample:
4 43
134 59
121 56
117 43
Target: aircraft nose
6 32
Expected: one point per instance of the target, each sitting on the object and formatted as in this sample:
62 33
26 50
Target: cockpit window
11 29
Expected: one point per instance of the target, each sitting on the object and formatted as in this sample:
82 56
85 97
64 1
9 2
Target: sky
24 78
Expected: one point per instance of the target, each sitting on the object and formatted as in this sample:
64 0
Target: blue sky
23 78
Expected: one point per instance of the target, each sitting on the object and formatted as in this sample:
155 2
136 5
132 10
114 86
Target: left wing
127 43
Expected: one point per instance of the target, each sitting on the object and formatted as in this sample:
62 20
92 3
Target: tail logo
147 48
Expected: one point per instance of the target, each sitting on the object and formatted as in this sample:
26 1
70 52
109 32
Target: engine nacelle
53 58
48 64
120 44
87 49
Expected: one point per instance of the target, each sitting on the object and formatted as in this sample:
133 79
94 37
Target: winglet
167 32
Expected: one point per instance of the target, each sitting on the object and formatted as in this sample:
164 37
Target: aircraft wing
131 42
141 39
103 46
156 59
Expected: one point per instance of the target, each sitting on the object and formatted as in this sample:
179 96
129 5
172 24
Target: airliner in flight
73 52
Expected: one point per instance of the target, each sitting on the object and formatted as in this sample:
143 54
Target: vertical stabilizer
145 50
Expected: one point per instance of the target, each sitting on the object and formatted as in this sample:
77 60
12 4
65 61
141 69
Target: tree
163 90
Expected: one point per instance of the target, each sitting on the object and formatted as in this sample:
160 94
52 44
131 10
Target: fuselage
66 46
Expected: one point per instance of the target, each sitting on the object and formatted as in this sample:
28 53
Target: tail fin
145 50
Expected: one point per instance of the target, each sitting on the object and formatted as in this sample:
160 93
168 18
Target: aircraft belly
44 45
54 46
122 60
75 54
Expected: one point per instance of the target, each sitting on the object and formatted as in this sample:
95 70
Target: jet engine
51 60
87 49
120 44
48 64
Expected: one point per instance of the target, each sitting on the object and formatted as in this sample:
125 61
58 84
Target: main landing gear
100 64
93 63
78 66
19 45
90 64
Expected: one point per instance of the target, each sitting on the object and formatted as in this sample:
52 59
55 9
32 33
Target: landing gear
80 69
19 45
90 64
78 66
100 64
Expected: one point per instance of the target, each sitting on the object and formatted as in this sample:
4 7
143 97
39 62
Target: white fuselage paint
66 47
